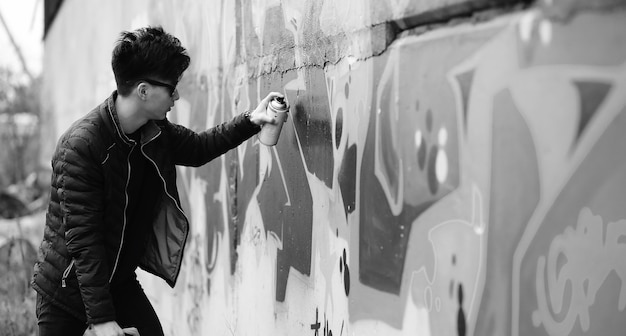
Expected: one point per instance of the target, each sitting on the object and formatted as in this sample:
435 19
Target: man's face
160 97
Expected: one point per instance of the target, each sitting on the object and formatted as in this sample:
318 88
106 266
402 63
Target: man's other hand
104 329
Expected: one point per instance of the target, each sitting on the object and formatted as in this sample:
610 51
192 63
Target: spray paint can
277 108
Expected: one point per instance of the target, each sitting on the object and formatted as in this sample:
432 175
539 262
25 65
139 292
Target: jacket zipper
119 251
66 273
160 175
164 187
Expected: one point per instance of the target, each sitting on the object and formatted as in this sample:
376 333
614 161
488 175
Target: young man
114 205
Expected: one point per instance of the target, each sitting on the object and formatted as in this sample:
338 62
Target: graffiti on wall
425 181
464 181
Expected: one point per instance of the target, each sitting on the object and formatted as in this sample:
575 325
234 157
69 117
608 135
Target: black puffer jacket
86 216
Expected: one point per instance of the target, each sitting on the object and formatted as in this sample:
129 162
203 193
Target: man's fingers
272 95
131 331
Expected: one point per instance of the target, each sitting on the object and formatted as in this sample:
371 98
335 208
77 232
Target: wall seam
393 30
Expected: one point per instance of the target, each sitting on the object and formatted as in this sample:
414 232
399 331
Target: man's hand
104 329
258 116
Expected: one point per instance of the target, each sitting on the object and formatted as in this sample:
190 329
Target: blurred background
21 196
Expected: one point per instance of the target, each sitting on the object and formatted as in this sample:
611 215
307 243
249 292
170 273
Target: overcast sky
25 21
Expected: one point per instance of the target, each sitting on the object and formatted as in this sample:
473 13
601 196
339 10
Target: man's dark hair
147 53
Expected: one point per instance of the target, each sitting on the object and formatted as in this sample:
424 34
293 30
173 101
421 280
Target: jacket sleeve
189 148
82 204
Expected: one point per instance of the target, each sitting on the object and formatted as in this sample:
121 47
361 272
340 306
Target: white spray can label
277 108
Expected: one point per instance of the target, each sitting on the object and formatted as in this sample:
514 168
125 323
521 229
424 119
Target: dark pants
132 309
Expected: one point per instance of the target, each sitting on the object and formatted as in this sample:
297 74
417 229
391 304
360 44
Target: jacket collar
149 131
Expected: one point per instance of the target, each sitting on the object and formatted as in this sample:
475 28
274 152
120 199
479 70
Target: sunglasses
171 88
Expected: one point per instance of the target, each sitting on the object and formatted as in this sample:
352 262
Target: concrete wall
448 167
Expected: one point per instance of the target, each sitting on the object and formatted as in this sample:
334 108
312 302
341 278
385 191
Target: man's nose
175 95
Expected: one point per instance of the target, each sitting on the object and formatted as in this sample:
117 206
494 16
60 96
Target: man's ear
142 91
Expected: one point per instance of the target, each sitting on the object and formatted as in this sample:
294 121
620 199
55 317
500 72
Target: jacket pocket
66 273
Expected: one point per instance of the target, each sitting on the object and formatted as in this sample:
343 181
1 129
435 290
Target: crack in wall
377 38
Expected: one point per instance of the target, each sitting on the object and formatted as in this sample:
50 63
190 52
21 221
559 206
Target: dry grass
17 299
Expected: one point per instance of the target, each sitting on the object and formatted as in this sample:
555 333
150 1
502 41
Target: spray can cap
278 103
